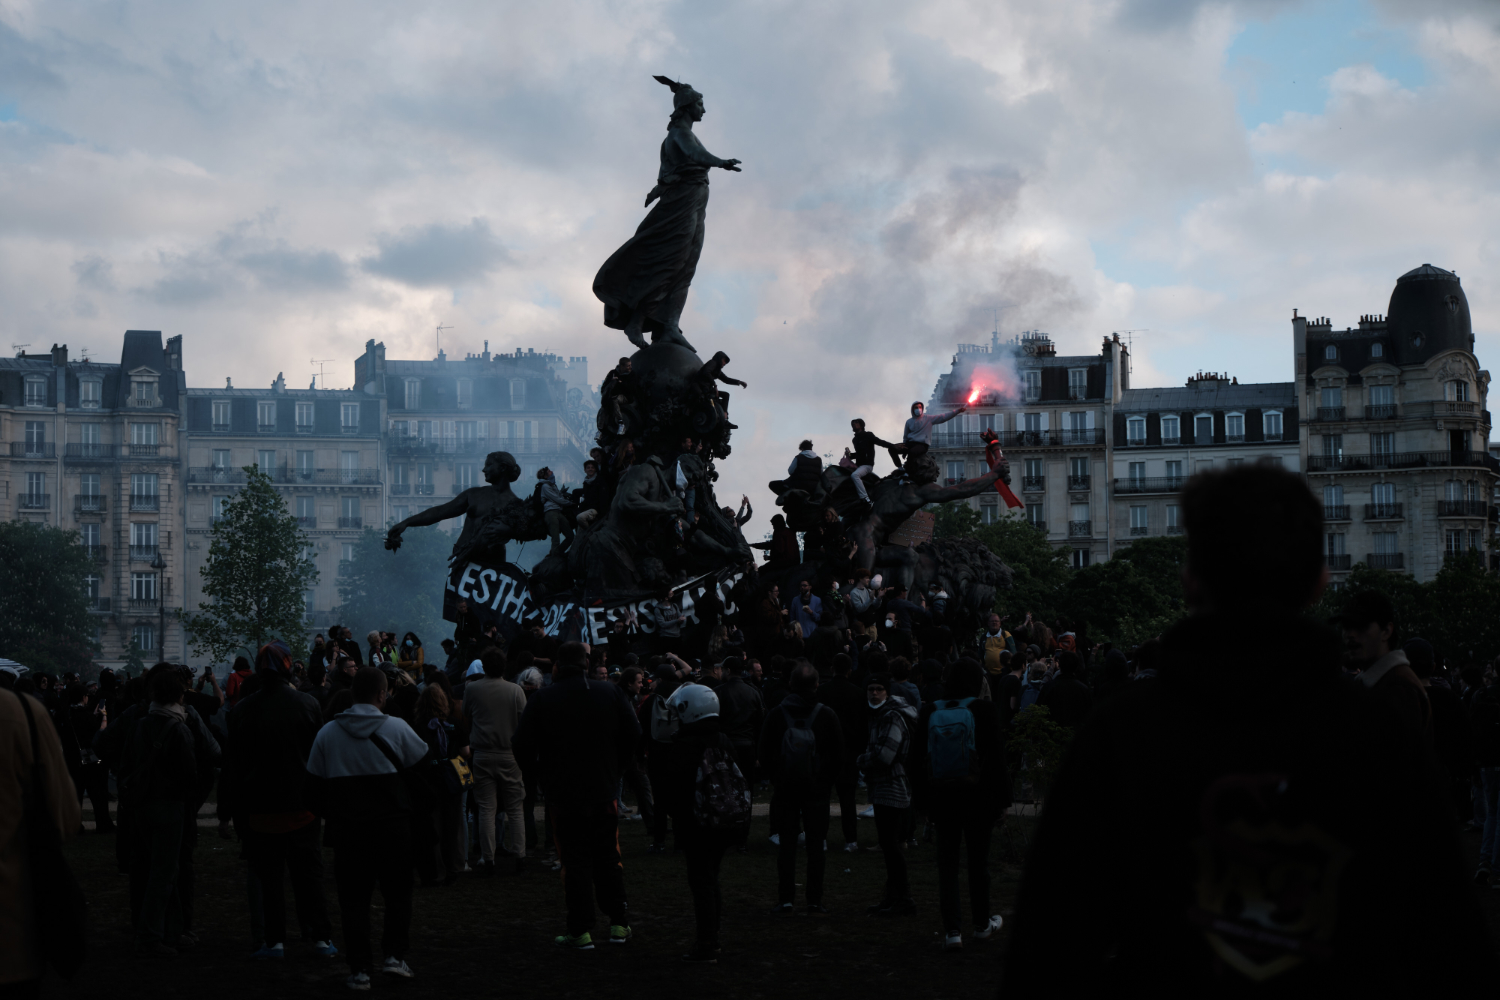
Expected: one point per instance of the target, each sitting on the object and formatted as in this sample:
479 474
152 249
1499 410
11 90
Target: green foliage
135 660
1117 602
44 607
255 577
399 591
1039 569
953 520
1160 561
1458 611
1038 744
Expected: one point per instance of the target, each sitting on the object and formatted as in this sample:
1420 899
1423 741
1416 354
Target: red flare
974 396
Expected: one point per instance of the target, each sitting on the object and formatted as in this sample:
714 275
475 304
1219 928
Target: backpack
664 721
799 749
721 795
950 742
1029 694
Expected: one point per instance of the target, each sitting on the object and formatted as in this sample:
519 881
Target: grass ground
493 937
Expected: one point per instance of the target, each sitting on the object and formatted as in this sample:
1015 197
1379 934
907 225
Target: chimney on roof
486 350
60 356
279 385
228 382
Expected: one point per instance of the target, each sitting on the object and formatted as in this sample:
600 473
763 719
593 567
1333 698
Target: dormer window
90 393
518 394
1377 350
36 391
413 393
465 392
1330 353
143 389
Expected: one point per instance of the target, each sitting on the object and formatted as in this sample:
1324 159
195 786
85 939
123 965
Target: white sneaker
358 981
395 967
776 839
851 847
996 922
953 942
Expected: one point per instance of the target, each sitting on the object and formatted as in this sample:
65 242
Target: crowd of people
1230 811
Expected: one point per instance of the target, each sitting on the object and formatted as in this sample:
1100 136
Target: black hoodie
1251 822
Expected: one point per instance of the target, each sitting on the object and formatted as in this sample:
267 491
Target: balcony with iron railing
1382 411
1402 460
422 489
34 501
1383 512
1139 530
88 451
304 428
1080 529
144 451
1175 529
308 522
1053 438
1171 442
89 503
400 489
1336 512
1326 414
1148 484
1234 439
144 553
221 428
33 449
351 522
286 476
1339 562
266 428
145 501
1033 484
1463 508
1386 560
145 603
1079 482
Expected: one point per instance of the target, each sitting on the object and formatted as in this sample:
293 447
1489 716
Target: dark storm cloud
286 269
437 255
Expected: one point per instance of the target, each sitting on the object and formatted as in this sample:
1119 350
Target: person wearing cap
493 706
1249 822
697 709
359 757
1368 622
265 788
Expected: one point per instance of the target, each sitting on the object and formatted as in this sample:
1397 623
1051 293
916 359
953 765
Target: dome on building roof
1428 314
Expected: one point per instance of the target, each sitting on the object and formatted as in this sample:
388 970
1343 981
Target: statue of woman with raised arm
644 284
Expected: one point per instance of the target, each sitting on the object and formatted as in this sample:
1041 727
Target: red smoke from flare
974 396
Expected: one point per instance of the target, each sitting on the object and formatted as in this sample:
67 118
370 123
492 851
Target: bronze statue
644 284
897 499
493 515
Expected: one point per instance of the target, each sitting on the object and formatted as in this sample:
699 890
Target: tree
1115 602
44 603
256 575
1038 569
397 591
953 520
1160 561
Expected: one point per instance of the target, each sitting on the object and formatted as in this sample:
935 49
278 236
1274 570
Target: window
424 431
349 413
36 438
145 435
1137 471
1385 543
956 471
1033 379
91 588
466 434
1036 468
1471 491
143 586
398 475
989 513
265 415
1078 467
349 507
1170 430
266 459
1330 353
304 418
1135 430
349 466
1034 514
465 474
1453 542
518 394
1203 429
143 541
1377 350
400 512
307 508
216 507
221 458
88 485
144 391
1336 540
1457 391
1333 447
221 415
1079 512
990 422
304 465
90 393
413 393
465 392
1271 424
90 436
1383 445
346 552
1080 558
1078 383
143 491
1138 522
1382 395
1078 422
1174 513
36 391
424 475
1234 427
143 637
1174 471
1333 496
1331 397
1453 491
1476 540
36 490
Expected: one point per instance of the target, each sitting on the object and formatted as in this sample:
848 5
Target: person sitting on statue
784 550
805 473
619 387
687 476
708 376
744 514
556 508
918 429
864 455
590 497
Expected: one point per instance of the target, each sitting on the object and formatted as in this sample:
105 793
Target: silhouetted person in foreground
1252 821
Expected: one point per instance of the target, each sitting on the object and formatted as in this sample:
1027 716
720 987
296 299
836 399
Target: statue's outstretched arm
693 150
456 507
933 493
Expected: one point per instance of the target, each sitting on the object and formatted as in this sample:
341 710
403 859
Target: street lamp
160 564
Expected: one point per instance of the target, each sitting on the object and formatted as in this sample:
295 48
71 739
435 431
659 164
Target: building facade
1052 414
94 448
1159 437
1395 429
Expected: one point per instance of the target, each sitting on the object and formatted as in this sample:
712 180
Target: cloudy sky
280 181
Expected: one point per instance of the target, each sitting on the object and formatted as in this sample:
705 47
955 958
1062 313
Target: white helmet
692 702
